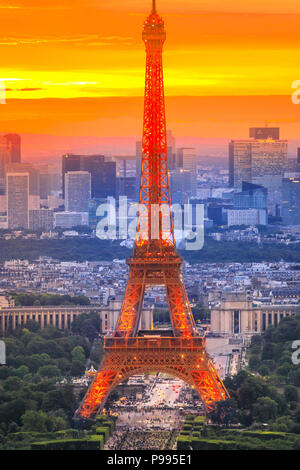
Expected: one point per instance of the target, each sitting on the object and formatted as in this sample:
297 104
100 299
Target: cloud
86 39
24 89
33 4
29 89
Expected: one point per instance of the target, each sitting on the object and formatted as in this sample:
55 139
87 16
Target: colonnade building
236 313
62 317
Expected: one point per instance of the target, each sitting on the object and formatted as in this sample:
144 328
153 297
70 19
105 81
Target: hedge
215 444
105 431
184 442
200 420
70 444
73 433
104 420
262 435
190 417
98 438
187 426
22 436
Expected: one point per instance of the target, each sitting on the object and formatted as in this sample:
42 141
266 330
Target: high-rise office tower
252 159
50 180
290 205
17 185
261 161
70 162
10 149
297 166
14 144
103 173
239 162
77 190
10 152
34 181
171 150
187 160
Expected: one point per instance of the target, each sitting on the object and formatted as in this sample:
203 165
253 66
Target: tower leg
193 367
132 305
180 311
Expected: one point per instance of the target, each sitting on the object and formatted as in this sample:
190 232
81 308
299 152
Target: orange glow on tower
155 261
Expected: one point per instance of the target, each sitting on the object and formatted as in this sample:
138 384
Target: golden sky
60 50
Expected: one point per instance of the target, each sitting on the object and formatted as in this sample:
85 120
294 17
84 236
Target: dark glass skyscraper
103 174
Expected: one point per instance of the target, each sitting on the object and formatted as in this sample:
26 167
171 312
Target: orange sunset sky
74 72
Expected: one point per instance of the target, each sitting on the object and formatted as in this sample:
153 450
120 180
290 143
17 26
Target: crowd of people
146 440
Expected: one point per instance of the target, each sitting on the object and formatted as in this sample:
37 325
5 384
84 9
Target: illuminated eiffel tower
155 261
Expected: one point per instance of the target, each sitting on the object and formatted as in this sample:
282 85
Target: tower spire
153 7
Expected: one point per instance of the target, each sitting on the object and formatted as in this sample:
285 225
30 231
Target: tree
254 362
268 351
22 371
265 409
12 383
87 324
264 370
250 391
49 371
78 368
60 400
291 393
35 421
78 354
223 413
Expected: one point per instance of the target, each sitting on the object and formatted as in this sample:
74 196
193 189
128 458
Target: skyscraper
70 162
103 173
171 150
297 168
290 205
34 181
10 152
78 191
10 149
14 144
187 160
239 162
17 185
261 161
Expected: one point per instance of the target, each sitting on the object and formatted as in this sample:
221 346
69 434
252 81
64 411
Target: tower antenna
153 7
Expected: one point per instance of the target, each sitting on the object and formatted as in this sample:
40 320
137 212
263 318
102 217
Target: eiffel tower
155 261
